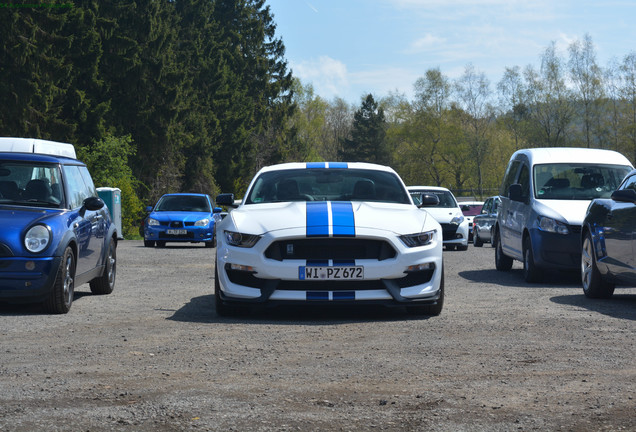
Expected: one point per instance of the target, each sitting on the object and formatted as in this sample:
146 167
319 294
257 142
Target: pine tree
367 142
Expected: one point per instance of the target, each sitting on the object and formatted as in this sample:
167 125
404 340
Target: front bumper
277 281
186 234
557 251
24 279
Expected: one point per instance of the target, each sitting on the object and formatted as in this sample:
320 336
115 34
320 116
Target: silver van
544 195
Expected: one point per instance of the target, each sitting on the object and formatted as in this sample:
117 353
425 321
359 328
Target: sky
350 48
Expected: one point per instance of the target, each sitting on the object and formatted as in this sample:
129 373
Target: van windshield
569 181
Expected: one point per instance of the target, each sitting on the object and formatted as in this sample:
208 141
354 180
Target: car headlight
419 239
240 239
37 238
202 222
153 222
553 225
457 220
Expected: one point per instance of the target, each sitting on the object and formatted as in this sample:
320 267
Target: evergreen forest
166 96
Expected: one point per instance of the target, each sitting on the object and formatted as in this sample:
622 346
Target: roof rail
34 145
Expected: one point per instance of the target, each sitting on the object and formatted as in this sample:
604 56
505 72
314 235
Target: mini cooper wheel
105 283
502 261
61 298
593 284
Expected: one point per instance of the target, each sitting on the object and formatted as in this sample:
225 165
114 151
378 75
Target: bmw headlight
202 222
419 239
37 238
153 222
553 225
457 220
241 240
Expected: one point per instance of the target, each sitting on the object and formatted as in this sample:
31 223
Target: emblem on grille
290 249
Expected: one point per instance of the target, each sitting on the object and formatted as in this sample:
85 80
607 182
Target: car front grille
176 224
330 248
575 229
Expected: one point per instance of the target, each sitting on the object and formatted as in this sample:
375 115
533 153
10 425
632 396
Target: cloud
328 76
425 43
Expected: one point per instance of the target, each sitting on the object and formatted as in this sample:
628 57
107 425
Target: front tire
149 243
61 298
593 284
502 261
430 309
105 284
531 273
222 309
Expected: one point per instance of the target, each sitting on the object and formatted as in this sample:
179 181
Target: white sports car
328 233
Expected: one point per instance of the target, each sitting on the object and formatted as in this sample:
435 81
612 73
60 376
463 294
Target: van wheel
502 261
530 271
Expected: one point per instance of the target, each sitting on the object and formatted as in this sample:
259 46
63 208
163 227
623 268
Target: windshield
566 181
30 184
446 199
183 203
327 184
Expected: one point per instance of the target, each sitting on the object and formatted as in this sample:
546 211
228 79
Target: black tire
212 243
222 308
502 261
477 242
430 309
462 247
161 244
531 273
594 286
105 284
61 298
149 243
450 247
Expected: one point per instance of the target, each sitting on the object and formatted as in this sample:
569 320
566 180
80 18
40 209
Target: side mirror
624 195
93 203
226 199
217 210
149 209
429 200
515 192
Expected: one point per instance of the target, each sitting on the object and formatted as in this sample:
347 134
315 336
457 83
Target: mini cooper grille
5 251
330 248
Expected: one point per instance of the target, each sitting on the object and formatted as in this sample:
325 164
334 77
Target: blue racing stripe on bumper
317 295
344 295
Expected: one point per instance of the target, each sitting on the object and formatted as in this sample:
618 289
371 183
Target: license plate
330 273
176 232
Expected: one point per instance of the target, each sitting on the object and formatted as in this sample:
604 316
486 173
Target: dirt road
154 356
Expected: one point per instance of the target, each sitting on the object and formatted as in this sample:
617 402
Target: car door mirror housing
429 200
624 195
93 203
515 192
226 199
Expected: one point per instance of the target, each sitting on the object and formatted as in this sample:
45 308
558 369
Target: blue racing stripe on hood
343 220
317 219
326 165
316 165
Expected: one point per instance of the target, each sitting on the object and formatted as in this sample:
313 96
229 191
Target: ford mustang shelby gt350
328 233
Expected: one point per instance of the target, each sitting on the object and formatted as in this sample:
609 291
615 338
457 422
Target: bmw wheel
61 298
593 284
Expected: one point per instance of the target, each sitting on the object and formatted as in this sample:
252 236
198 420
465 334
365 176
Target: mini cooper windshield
327 184
30 184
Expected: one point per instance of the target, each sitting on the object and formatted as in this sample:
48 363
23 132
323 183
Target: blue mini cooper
55 232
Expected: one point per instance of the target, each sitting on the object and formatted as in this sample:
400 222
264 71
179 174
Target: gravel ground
154 356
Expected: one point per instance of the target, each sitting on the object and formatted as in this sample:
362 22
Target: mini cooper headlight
202 222
419 239
153 222
37 238
241 240
553 225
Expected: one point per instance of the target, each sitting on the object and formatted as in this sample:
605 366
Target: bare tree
586 76
512 102
628 92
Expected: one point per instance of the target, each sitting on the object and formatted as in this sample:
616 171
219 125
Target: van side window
524 181
509 177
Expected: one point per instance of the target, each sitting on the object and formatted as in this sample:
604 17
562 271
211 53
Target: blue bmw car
181 217
56 233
